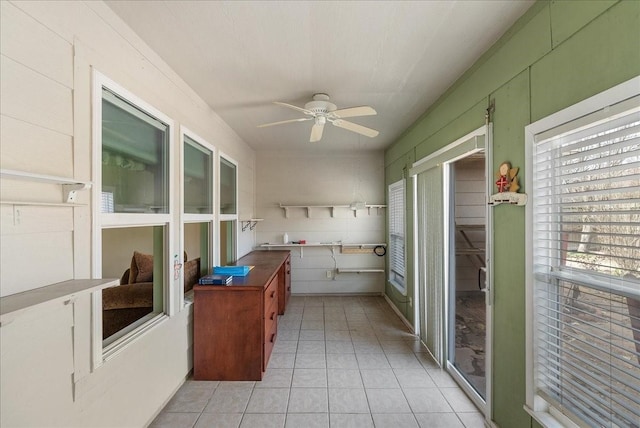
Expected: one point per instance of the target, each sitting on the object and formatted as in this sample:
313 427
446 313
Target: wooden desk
235 326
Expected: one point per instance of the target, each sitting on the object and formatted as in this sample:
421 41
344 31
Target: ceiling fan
321 111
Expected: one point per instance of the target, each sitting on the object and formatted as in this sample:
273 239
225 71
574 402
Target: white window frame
197 218
583 113
398 188
100 221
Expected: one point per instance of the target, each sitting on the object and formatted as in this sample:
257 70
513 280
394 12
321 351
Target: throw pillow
191 273
141 268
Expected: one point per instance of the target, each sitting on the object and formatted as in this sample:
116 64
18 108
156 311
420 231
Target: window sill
551 418
117 346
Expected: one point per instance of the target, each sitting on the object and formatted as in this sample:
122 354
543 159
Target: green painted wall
557 54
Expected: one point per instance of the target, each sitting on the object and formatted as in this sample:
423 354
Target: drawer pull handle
289 288
273 314
273 293
288 272
273 336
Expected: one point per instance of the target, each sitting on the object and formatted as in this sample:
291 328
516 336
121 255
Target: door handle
480 271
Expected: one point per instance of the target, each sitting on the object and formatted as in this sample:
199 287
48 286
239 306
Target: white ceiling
397 56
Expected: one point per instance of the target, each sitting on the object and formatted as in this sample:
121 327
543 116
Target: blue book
232 270
215 280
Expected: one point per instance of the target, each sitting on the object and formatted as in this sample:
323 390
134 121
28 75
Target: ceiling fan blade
316 133
302 119
355 128
291 106
354 111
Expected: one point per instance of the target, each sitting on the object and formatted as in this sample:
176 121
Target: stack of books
216 279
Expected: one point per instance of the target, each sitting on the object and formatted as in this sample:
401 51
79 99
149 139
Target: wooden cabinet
235 326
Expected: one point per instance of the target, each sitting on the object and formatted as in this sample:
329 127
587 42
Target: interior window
135 168
227 187
196 253
227 242
131 254
198 168
133 239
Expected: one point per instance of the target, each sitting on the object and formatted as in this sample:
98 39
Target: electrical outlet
329 274
410 302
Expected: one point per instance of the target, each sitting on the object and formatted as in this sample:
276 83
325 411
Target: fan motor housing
320 104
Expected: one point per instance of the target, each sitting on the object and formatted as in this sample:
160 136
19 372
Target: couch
133 298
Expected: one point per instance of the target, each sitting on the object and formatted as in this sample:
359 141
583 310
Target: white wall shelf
308 208
14 305
509 198
41 204
69 185
332 245
350 270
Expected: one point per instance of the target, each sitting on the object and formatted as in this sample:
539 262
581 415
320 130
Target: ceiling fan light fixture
323 111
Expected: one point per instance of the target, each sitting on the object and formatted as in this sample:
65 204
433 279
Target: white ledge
70 186
14 305
43 178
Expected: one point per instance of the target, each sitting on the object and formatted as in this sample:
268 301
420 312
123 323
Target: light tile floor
337 362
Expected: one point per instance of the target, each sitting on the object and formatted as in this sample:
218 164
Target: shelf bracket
70 191
510 198
250 224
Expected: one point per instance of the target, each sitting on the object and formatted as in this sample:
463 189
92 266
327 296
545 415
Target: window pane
197 178
134 159
227 242
396 233
196 248
130 254
227 187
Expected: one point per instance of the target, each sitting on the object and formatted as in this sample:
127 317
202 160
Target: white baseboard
402 318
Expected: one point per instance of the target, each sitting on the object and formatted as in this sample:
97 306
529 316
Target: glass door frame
485 404
477 140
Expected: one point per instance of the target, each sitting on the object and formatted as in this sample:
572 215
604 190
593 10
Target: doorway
467 308
452 259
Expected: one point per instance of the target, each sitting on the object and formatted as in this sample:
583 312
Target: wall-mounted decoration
507 186
507 178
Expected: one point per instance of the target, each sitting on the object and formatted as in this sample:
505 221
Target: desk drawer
270 319
269 342
271 294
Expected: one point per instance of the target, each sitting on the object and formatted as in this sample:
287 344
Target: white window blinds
586 266
396 234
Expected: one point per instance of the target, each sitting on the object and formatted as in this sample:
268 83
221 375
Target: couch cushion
141 268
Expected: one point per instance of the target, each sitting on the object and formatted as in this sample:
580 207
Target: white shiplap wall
340 178
48 53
